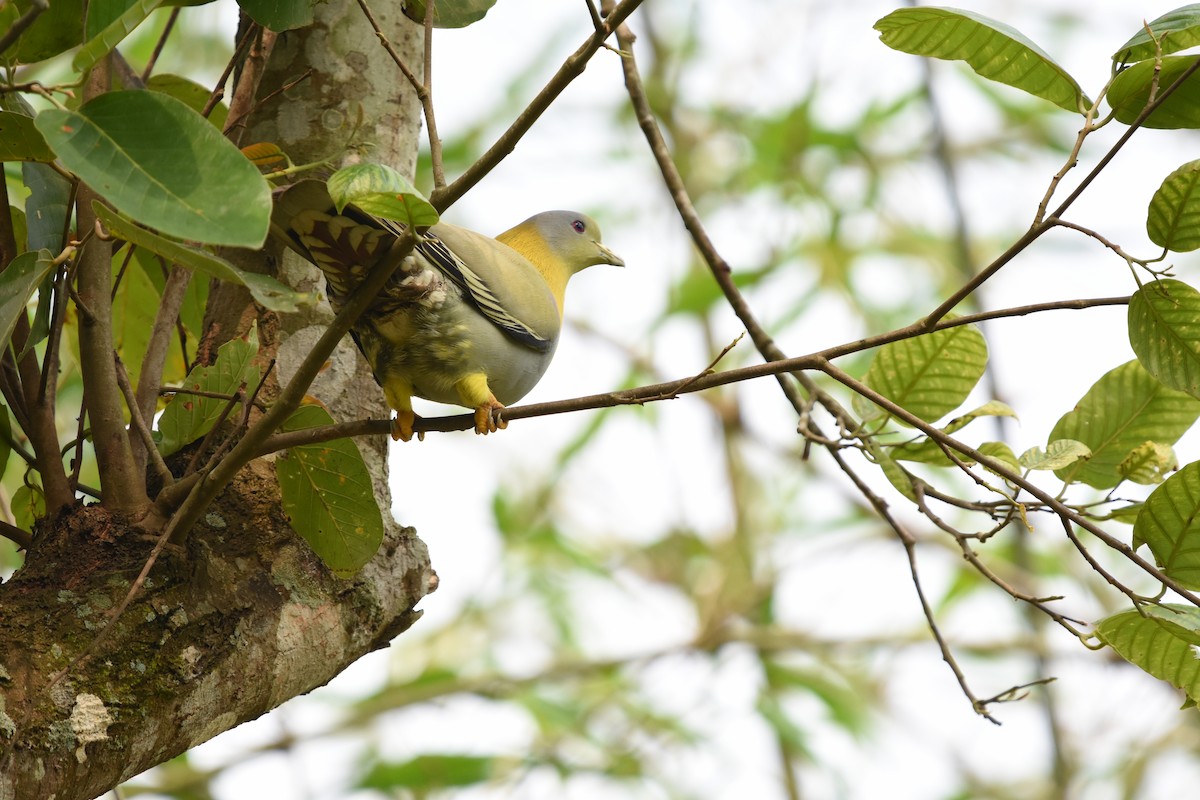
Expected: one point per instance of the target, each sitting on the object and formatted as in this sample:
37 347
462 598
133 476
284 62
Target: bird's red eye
578 226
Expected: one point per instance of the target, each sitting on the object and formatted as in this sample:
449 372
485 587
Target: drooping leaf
1176 30
28 506
930 375
105 31
18 282
1173 219
1122 410
1164 330
993 49
1170 524
1058 454
1161 640
327 495
897 476
20 140
450 13
47 209
187 417
164 165
279 15
1130 93
267 291
191 94
382 191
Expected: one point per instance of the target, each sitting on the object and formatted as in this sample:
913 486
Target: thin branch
239 53
139 424
162 41
22 538
246 90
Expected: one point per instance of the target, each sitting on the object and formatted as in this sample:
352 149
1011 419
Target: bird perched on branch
465 319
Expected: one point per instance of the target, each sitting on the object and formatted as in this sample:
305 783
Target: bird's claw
402 427
488 418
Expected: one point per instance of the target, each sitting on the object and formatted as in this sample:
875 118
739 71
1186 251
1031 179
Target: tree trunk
241 615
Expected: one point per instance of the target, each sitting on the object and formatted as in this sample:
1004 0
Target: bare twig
139 424
157 348
162 41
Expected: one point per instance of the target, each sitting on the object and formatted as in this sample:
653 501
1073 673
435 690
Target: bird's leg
399 397
474 392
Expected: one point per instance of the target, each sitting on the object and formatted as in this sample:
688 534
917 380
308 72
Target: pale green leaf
1170 524
1003 453
1123 409
932 374
994 50
328 496
113 33
1148 463
1130 94
28 506
1176 30
1161 640
1058 454
896 474
382 191
1164 330
1173 219
163 165
425 773
188 417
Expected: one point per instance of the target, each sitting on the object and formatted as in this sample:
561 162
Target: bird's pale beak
609 257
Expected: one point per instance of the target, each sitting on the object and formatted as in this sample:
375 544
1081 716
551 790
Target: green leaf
932 374
18 282
897 476
191 94
1123 409
382 191
164 165
450 13
1170 524
279 15
1130 93
992 408
1058 454
28 506
114 31
993 49
188 417
134 307
328 496
57 30
1159 639
266 291
20 140
1173 220
1148 463
1176 30
1003 453
1126 514
47 209
429 772
1164 330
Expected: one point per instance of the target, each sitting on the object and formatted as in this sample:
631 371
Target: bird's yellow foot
487 417
402 426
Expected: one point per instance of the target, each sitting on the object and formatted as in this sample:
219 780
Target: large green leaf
1161 640
1176 30
20 140
327 494
107 30
993 49
279 15
164 165
380 190
1130 93
188 417
1124 409
930 375
1170 524
18 282
1164 330
267 291
1173 220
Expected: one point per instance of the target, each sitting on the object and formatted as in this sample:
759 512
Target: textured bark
240 616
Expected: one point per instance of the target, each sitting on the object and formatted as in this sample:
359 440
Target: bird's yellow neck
526 241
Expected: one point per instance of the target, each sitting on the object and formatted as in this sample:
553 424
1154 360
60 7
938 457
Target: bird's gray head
575 238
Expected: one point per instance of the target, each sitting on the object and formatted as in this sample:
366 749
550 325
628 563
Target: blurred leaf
1164 331
932 374
28 506
135 304
108 23
1162 640
328 496
1003 453
279 15
993 49
844 703
428 772
18 282
188 417
449 13
163 165
1122 410
382 191
58 29
1173 221
1176 30
266 291
20 140
1170 524
1130 94
5 437
191 94
1126 514
897 476
1148 463
1058 454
